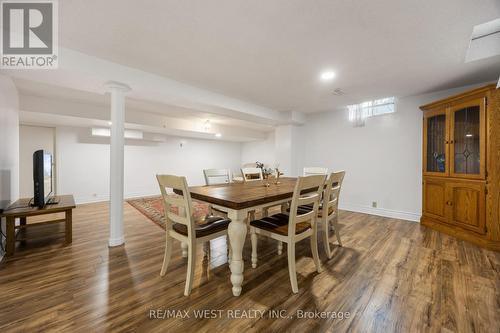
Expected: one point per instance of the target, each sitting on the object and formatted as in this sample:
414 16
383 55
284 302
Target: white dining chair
309 171
217 176
328 213
252 174
237 178
249 165
182 226
295 226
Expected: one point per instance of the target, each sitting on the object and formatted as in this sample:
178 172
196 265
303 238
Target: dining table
238 199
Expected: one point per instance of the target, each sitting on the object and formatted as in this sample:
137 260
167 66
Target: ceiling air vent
485 41
338 92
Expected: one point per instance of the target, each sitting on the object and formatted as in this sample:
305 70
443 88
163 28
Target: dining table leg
237 231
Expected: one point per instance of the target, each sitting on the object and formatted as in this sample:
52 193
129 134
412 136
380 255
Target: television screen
47 174
42 177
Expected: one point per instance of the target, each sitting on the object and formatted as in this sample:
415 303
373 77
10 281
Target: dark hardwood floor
390 276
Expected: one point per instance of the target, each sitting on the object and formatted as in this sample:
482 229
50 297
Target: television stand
22 210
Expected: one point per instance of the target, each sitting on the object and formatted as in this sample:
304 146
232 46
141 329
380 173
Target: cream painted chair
293 227
328 213
182 225
252 174
217 176
310 171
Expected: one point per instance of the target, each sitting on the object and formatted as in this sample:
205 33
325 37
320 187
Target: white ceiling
271 52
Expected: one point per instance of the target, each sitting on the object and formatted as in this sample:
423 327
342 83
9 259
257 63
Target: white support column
117 91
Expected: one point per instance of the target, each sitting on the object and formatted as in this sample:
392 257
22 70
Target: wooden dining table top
245 195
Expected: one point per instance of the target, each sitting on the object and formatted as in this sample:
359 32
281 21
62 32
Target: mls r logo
27 27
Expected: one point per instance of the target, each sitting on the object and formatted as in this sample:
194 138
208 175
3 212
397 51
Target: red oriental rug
152 208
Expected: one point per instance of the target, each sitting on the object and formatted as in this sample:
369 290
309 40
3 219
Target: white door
31 139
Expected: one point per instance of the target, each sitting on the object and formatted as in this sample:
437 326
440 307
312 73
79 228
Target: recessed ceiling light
110 123
218 135
327 75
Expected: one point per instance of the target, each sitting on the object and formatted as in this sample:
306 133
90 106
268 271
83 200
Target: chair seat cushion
204 226
278 223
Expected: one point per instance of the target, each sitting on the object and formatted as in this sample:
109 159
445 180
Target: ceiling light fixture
327 75
218 135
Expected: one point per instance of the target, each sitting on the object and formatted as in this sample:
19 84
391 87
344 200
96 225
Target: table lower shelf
12 238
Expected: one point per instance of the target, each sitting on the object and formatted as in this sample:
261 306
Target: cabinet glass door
435 136
467 143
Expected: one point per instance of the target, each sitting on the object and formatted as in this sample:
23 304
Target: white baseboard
79 200
381 212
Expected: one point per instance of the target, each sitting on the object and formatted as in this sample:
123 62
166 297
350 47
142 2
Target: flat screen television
42 178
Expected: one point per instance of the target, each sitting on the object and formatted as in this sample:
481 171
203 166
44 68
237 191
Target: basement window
359 112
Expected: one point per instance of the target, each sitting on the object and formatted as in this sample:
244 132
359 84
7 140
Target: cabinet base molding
465 235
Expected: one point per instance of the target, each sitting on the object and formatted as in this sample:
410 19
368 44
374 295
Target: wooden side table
65 205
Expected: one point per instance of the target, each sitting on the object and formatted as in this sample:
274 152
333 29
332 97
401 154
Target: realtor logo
29 34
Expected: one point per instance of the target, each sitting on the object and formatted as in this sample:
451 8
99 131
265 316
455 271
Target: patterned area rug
152 208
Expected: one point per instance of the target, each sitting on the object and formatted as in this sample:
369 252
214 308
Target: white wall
9 143
383 159
83 163
31 139
283 147
261 151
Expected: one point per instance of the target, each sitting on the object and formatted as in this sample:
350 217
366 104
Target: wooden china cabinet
461 166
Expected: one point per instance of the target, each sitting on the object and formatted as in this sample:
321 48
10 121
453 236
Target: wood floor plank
390 276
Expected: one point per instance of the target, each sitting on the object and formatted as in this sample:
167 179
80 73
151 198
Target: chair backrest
251 174
249 165
184 214
314 182
310 171
217 176
331 193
